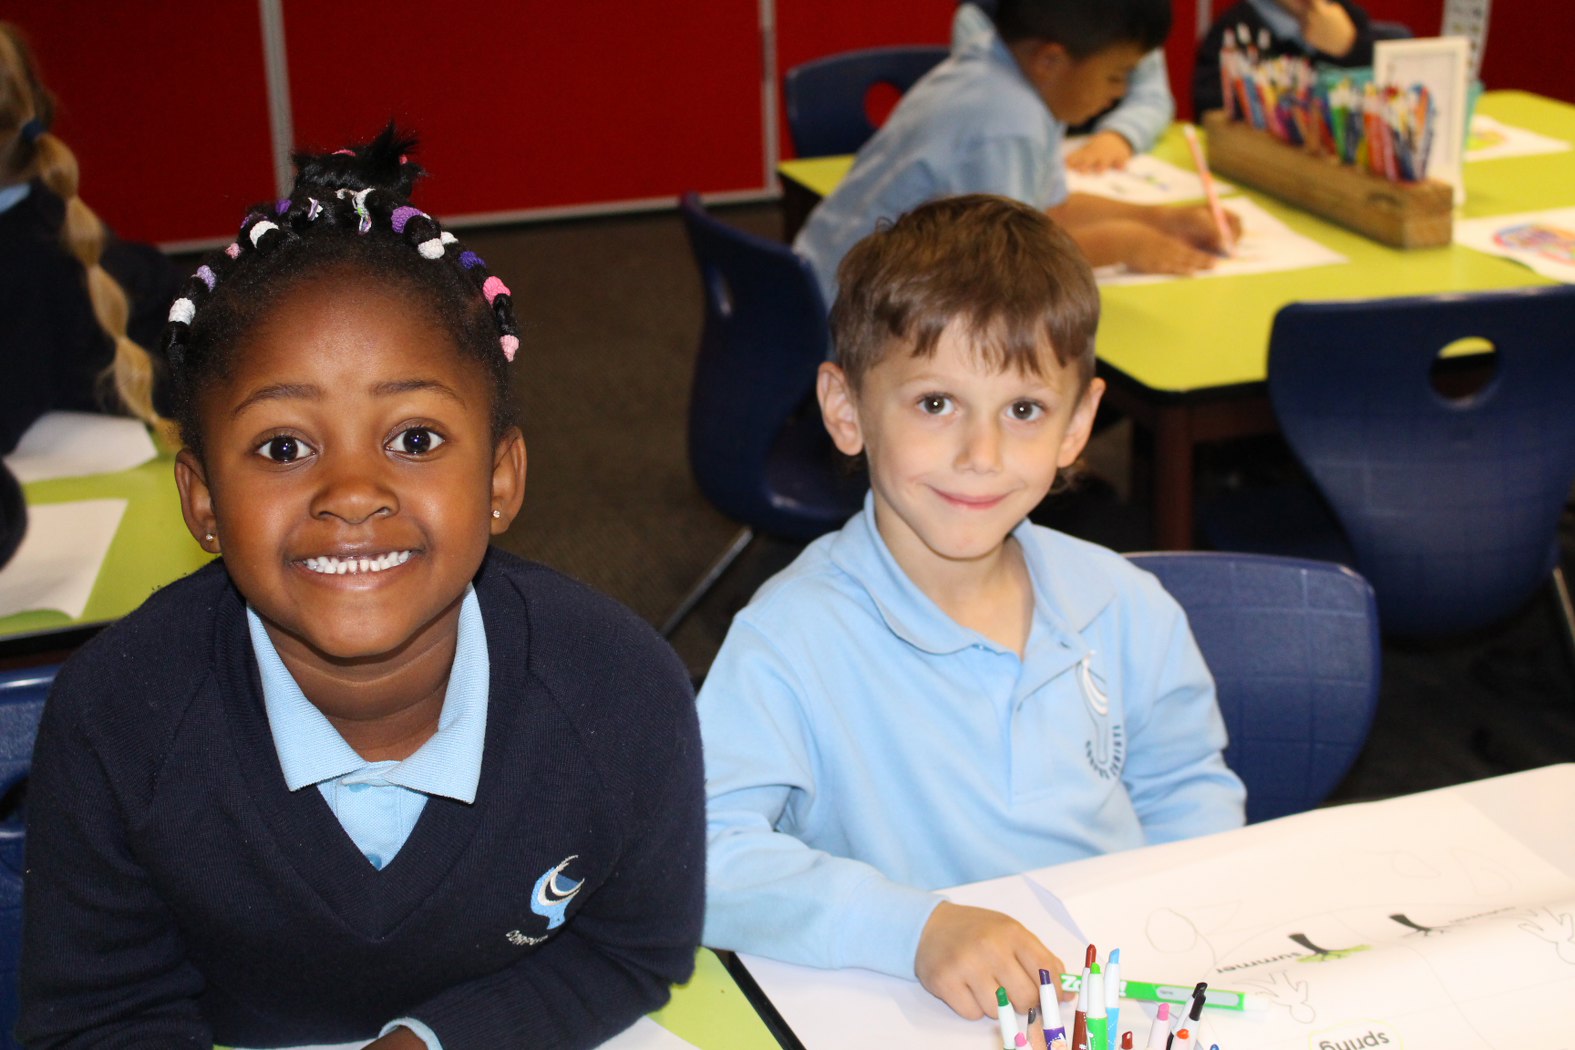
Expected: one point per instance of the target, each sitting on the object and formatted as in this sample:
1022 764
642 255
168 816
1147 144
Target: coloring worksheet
1145 180
1267 245
1544 240
1359 927
1492 140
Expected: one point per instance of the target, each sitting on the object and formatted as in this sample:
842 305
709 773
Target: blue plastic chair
22 695
757 447
1390 31
1294 650
825 97
1449 507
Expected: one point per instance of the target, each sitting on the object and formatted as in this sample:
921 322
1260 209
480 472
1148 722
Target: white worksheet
1267 245
1542 240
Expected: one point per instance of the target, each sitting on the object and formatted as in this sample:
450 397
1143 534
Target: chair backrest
1451 506
1294 651
826 97
22 695
756 444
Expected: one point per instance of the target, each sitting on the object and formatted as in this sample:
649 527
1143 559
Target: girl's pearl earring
496 513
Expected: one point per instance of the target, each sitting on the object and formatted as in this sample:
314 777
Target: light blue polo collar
11 196
1066 593
311 750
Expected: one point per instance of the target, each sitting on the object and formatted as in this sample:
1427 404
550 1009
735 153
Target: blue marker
1113 996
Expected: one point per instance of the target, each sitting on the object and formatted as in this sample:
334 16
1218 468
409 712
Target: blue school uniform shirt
973 124
862 749
378 803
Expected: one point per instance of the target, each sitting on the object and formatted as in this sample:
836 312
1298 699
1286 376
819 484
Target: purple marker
1050 1011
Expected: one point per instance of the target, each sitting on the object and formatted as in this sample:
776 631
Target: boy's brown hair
1002 268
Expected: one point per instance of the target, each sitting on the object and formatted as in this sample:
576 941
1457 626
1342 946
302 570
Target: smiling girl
362 778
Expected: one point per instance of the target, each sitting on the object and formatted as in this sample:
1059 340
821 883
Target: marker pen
1007 1019
1126 1040
1080 1015
1113 995
1055 1031
1149 992
1182 1039
1160 1033
1098 1021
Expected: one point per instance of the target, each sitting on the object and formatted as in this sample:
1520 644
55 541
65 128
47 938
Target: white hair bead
183 310
449 238
431 249
261 228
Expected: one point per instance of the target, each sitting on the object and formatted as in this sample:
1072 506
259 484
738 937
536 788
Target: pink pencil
1209 189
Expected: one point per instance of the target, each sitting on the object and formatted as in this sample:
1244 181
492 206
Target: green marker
1098 1020
1147 992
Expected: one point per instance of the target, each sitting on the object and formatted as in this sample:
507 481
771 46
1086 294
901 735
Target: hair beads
366 188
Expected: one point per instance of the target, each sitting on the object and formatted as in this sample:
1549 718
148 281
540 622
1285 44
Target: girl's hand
399 1039
1104 149
965 954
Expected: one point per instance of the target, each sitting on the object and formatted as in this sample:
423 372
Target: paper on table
1416 922
647 1035
1491 139
1542 240
1266 245
836 1008
71 444
60 556
1145 180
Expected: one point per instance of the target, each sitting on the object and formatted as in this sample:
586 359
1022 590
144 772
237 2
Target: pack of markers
1093 1020
1384 129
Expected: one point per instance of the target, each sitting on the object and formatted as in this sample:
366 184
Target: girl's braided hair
348 213
28 150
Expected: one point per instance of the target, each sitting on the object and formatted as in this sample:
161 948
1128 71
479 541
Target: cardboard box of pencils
1399 214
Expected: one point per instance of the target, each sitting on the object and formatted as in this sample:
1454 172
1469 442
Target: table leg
1174 444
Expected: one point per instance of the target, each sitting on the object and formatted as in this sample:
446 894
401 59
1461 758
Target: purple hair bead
283 205
469 260
403 215
207 276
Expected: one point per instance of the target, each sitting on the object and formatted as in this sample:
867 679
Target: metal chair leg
741 541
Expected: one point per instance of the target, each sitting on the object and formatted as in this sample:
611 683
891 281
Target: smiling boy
942 692
991 118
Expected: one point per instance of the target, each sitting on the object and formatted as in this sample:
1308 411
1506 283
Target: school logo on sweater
550 900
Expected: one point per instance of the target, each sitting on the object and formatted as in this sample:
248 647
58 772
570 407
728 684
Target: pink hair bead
511 346
492 287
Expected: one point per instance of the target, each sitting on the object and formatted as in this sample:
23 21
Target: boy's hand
1326 26
1196 226
1151 249
1104 149
965 954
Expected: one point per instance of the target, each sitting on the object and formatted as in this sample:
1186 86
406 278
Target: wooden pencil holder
1399 214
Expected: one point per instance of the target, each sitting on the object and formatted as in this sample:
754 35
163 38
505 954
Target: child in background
942 692
362 778
990 119
1334 31
64 307
1127 128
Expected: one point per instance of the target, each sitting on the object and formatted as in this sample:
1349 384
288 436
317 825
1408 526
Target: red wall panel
532 104
165 106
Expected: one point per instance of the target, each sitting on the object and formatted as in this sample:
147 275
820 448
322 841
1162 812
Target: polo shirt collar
11 196
311 750
1068 592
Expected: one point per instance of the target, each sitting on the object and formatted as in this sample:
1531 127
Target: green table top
1191 335
151 547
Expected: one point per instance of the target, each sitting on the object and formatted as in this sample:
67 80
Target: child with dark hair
77 306
991 119
362 778
942 692
1335 32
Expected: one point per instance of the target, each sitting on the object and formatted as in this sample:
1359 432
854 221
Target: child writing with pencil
362 781
942 692
991 119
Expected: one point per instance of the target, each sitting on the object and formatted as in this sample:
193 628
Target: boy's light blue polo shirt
973 124
378 803
863 749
